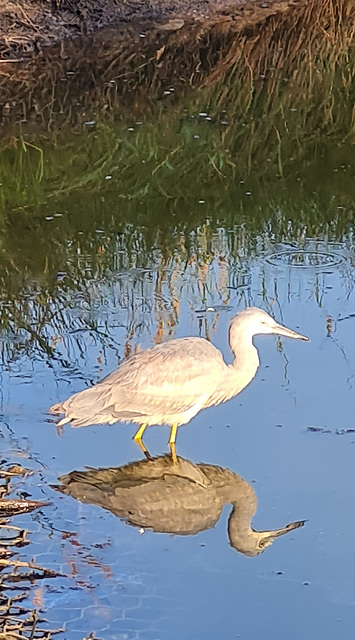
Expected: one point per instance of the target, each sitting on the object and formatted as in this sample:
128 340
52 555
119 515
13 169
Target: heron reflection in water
182 498
171 382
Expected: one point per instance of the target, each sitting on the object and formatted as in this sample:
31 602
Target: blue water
122 583
87 277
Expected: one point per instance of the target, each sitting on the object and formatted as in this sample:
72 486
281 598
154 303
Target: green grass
273 163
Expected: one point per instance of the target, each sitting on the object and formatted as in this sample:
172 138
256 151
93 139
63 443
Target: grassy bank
256 144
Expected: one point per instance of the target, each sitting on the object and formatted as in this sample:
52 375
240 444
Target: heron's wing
166 379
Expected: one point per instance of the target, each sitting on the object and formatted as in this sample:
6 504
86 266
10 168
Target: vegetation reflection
256 149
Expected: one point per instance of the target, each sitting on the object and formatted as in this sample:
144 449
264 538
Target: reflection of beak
289 527
284 331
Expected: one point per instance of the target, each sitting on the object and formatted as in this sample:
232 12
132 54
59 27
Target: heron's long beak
284 331
289 527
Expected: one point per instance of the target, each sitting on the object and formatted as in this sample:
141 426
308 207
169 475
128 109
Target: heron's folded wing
166 379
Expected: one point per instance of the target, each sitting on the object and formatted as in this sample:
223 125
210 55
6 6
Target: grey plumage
171 382
181 498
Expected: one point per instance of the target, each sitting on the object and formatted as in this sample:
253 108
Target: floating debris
10 507
336 432
18 620
313 429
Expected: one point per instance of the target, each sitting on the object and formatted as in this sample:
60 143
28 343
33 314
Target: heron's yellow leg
173 453
173 433
138 436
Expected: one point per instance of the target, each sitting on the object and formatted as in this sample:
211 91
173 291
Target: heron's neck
246 358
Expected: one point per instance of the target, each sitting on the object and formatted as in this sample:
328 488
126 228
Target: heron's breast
229 387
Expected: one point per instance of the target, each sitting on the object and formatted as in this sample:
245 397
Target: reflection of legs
173 433
144 449
173 453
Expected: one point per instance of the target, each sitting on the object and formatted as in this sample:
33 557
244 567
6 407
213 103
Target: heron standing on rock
171 382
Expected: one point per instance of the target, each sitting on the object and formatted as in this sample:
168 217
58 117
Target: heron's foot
173 453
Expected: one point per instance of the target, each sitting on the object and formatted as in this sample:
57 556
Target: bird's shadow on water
175 496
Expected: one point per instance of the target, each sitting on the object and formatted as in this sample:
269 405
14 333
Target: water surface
127 231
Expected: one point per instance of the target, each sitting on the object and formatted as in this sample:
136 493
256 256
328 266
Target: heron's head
252 543
253 321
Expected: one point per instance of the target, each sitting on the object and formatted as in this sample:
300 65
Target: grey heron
171 382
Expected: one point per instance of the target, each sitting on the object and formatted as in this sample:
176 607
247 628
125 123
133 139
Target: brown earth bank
27 26
298 50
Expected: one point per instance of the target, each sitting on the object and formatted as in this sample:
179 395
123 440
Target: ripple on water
305 259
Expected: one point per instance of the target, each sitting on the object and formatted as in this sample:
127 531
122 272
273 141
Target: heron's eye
262 544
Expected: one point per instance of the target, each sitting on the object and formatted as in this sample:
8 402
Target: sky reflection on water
89 274
290 433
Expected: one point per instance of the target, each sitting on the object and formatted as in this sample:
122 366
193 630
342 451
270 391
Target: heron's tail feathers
57 408
91 406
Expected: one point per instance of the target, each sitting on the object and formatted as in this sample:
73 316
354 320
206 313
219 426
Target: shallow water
93 268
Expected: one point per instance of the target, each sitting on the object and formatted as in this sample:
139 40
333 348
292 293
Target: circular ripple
308 259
